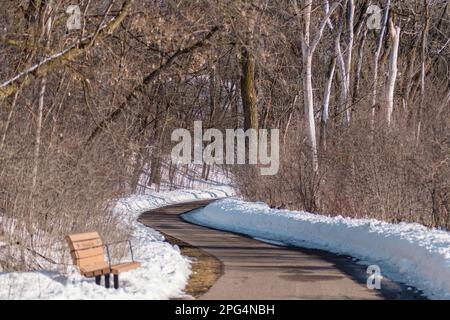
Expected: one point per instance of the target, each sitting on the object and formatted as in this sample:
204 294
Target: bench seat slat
84 236
89 261
86 244
88 253
122 267
96 269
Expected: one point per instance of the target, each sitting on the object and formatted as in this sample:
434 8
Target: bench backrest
86 248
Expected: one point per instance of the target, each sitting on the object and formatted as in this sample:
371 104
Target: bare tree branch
59 59
149 78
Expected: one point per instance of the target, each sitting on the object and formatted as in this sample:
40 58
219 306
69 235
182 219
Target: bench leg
98 279
107 285
116 281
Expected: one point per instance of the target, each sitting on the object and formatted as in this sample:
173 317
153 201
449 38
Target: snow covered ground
408 253
164 272
185 177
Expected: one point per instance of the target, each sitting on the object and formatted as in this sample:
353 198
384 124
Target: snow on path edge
406 252
163 275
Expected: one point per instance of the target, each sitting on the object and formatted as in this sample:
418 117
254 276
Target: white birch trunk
376 62
308 98
309 103
343 83
348 62
393 70
326 7
326 103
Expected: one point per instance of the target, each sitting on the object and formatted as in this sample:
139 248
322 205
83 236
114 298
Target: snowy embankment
164 272
409 253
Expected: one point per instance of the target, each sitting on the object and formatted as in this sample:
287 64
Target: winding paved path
257 270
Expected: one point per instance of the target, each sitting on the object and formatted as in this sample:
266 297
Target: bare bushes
36 227
394 175
368 176
73 192
390 176
295 186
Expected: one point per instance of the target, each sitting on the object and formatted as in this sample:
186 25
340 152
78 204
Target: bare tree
47 22
423 57
248 91
348 61
395 35
309 46
377 59
326 102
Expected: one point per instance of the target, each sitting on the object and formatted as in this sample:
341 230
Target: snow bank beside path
135 205
163 275
409 253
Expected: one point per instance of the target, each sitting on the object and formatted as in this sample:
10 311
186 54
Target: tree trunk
212 96
156 154
348 62
423 68
326 103
309 107
357 82
395 34
38 136
408 80
248 91
343 96
308 98
8 121
376 62
46 30
308 47
326 7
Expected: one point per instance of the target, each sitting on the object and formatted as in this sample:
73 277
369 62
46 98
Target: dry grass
206 269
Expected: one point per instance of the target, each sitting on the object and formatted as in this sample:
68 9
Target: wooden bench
88 255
